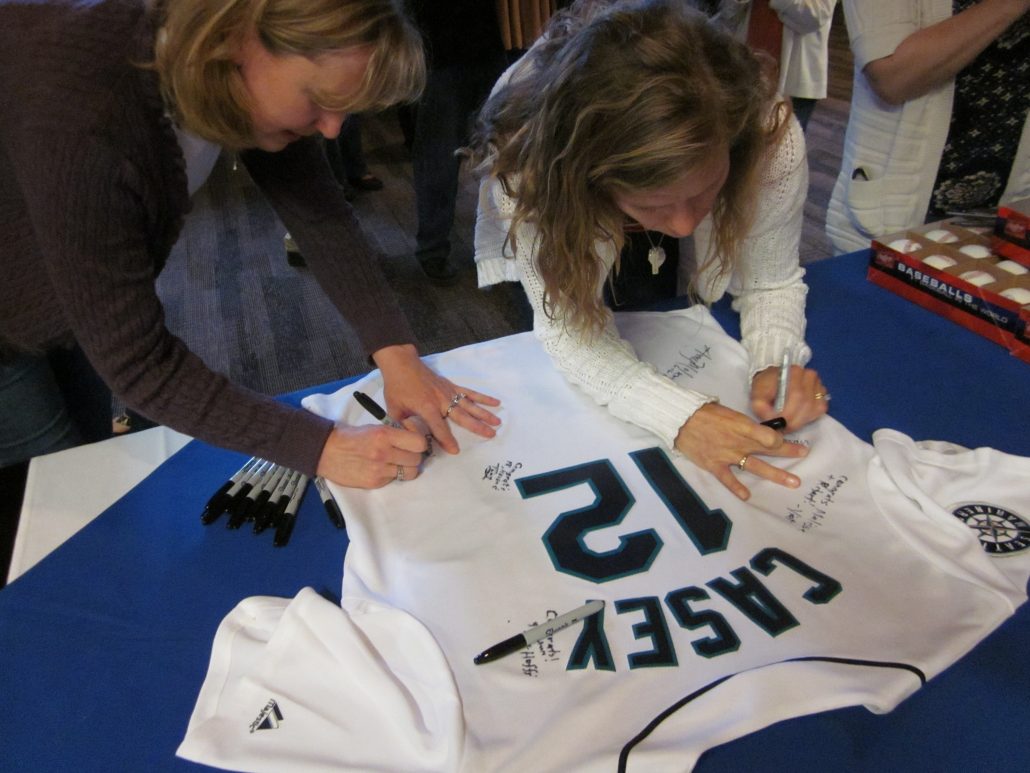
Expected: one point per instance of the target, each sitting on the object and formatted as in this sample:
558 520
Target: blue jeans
50 402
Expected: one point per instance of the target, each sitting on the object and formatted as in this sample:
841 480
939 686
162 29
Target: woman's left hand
412 389
807 396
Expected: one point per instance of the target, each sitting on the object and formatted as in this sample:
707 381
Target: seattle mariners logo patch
1001 533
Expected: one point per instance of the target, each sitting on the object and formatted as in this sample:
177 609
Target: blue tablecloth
105 643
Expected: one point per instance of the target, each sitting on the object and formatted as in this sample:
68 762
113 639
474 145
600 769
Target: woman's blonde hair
197 42
621 97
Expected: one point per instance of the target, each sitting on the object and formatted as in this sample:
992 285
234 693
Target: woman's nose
329 124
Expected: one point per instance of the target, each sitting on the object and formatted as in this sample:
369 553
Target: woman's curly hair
620 97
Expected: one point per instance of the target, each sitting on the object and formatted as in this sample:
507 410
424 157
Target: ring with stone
454 403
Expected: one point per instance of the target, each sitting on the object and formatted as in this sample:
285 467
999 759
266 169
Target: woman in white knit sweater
648 113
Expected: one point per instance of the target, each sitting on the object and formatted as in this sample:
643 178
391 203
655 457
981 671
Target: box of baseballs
1011 237
956 272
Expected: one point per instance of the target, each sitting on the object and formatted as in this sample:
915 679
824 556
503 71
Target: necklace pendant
656 257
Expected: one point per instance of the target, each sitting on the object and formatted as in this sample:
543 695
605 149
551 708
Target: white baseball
975 251
941 235
1012 267
904 245
939 261
1018 294
978 278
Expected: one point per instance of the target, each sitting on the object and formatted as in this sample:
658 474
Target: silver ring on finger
400 473
743 461
454 404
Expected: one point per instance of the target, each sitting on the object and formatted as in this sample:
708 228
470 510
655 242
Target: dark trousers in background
345 153
440 127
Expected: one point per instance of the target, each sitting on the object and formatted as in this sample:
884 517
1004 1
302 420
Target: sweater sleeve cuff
768 350
301 443
493 271
657 404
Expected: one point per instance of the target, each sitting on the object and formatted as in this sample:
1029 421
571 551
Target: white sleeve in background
804 16
877 27
805 54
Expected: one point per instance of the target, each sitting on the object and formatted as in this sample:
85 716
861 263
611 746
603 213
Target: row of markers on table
267 495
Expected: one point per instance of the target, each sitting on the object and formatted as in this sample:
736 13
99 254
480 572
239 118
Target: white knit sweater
768 292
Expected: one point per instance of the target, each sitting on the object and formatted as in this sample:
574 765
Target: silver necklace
655 255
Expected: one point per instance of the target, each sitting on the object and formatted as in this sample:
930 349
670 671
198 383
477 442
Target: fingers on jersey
465 409
806 400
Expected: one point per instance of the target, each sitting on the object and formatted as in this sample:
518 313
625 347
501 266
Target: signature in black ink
813 510
690 363
542 651
500 474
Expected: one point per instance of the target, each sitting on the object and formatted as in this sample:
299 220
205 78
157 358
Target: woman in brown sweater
111 113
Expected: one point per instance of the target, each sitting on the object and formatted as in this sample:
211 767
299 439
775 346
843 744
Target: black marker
376 410
537 632
277 504
382 417
331 508
219 501
262 504
286 521
240 504
778 423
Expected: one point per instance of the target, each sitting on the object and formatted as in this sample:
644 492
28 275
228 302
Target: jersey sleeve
285 675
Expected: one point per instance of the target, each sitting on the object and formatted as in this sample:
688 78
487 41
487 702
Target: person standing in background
938 122
796 33
464 56
347 159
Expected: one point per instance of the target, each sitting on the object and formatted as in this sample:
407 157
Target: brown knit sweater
92 198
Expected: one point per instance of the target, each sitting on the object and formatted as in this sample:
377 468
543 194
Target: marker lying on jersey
538 632
380 415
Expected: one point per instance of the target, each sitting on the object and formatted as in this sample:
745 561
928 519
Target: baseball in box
953 271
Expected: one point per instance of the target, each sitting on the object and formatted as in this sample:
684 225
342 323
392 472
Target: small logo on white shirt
269 718
1001 533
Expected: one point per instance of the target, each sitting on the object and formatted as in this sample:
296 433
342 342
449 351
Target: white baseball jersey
721 617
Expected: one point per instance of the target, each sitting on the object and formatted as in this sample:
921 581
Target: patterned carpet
230 294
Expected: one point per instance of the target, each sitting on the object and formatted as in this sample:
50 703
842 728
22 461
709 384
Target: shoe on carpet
439 271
